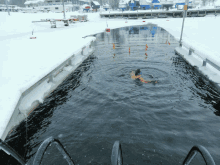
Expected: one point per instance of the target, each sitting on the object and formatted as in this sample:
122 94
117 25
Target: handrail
205 60
10 151
213 64
116 157
43 147
203 151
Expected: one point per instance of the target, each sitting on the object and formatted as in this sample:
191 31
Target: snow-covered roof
85 5
28 2
33 2
145 2
95 2
84 0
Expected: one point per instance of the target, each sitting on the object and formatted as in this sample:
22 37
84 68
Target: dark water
156 123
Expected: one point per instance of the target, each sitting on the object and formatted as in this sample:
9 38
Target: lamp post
184 14
6 2
64 11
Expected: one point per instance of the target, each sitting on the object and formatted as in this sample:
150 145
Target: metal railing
116 156
43 147
10 151
199 54
203 151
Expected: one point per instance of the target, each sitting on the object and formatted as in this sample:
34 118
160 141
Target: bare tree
114 4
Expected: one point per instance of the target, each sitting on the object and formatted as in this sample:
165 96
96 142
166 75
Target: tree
114 4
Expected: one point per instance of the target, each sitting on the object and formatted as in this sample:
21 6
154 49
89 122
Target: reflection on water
100 103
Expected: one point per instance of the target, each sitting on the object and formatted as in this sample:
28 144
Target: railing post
91 44
50 78
82 50
204 63
184 13
69 62
190 51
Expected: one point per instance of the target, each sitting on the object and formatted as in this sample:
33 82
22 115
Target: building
106 6
83 2
33 3
49 5
11 8
145 4
95 5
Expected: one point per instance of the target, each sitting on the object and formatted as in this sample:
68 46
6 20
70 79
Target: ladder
116 157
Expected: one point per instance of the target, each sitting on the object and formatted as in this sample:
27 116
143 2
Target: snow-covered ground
24 61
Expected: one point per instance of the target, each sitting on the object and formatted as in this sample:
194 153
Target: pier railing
202 56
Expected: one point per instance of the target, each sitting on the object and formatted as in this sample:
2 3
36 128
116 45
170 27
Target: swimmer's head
137 72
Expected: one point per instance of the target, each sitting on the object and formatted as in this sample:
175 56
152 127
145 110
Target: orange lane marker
113 46
146 47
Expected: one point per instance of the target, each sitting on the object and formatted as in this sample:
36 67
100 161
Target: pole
64 11
6 2
184 14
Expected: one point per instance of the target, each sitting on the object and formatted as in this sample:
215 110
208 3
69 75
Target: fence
201 55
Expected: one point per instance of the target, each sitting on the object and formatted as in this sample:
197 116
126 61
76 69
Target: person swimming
137 75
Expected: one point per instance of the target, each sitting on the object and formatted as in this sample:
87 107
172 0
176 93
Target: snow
23 61
33 2
96 3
